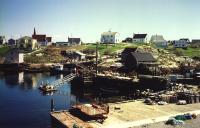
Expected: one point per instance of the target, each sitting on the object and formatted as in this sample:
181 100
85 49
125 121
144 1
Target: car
181 102
162 103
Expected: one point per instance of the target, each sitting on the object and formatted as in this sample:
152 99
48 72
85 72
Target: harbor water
23 105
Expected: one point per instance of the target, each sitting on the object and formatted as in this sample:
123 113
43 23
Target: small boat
47 88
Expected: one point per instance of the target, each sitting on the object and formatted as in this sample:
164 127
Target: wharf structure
80 115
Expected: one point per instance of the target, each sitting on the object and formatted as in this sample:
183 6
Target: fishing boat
47 87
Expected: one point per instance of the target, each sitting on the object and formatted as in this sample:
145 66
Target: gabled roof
139 36
11 39
25 37
143 57
108 33
39 38
186 39
129 50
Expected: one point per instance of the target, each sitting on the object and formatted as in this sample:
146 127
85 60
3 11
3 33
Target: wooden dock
68 120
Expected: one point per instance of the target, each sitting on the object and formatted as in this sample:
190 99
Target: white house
158 40
27 43
139 38
109 37
2 40
180 44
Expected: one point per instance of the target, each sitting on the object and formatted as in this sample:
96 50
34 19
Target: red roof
39 38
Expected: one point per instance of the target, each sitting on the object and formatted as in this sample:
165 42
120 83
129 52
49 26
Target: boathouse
137 59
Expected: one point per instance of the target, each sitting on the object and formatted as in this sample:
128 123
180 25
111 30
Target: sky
87 19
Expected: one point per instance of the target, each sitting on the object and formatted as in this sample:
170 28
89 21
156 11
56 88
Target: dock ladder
62 81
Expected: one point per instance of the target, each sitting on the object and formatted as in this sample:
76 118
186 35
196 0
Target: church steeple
34 33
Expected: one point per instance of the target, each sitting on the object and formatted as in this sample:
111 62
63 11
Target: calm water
22 105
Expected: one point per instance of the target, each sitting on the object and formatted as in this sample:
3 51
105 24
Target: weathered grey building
137 59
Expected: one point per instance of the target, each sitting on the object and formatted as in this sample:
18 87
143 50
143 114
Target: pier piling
52 105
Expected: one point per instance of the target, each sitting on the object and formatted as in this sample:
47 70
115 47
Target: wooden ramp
68 120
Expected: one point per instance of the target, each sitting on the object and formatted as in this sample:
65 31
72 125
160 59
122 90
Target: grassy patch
191 52
111 48
4 50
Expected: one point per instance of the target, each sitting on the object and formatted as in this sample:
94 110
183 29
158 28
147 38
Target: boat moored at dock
47 88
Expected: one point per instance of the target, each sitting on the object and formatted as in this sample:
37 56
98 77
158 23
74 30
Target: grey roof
25 37
139 36
143 57
186 39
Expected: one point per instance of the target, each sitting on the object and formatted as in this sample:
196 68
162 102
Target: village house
195 43
27 43
11 42
180 44
42 40
74 41
158 41
139 38
126 52
2 40
109 37
137 59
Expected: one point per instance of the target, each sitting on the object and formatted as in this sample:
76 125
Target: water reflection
13 79
31 81
27 80
27 105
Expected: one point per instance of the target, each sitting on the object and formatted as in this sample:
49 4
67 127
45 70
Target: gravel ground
194 123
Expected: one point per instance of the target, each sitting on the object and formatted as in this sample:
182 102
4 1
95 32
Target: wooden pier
68 120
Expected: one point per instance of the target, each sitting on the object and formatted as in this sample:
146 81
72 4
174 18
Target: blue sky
87 19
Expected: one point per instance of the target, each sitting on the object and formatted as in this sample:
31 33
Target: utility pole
96 58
